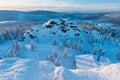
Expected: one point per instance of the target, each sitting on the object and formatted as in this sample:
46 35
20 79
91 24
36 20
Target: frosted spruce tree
61 45
32 47
101 53
95 50
65 52
54 41
57 63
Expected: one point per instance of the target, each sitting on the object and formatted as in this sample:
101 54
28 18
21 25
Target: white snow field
60 50
89 61
30 69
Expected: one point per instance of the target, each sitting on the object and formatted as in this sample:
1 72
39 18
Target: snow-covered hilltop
68 34
60 50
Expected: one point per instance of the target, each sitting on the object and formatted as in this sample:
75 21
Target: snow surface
89 61
31 69
60 50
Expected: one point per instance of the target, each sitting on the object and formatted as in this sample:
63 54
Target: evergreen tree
65 52
14 50
32 46
54 41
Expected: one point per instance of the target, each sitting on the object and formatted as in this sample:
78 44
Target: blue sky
60 5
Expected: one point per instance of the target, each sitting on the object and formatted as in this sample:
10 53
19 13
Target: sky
60 5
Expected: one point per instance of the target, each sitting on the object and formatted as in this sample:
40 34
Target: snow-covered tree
54 53
75 44
37 39
60 62
67 43
54 41
61 45
53 57
57 62
14 50
32 47
50 58
65 52
79 47
95 51
118 55
101 53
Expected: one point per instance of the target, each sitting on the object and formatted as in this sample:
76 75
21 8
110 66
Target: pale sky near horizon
59 5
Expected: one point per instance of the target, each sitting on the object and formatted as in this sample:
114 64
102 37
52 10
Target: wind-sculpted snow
89 61
30 69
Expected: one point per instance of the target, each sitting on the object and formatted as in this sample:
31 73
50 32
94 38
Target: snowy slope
110 72
52 50
90 61
18 69
30 69
68 34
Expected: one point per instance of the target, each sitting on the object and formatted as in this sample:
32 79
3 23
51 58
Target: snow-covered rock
59 29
